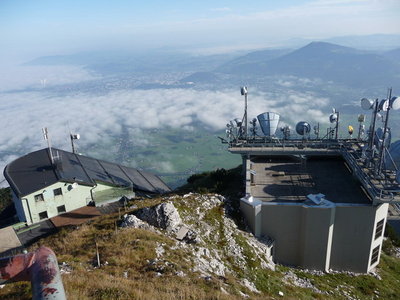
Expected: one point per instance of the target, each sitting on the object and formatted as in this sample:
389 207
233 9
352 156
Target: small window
39 197
375 255
57 192
61 209
43 215
379 229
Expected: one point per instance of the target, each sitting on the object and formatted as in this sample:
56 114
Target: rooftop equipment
303 128
268 122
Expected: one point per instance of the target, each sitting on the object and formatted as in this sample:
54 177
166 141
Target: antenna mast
47 138
243 91
384 132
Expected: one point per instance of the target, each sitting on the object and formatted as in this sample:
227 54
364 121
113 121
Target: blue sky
44 27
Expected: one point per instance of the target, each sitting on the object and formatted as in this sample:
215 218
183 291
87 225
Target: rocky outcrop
164 216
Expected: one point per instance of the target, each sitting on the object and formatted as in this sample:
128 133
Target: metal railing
377 194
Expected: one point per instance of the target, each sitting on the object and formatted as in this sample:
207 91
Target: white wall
71 198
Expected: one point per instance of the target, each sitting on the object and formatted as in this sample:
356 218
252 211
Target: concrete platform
283 179
8 239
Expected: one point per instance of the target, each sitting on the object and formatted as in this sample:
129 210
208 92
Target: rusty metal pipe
40 268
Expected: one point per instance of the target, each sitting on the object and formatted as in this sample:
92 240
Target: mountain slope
322 60
249 61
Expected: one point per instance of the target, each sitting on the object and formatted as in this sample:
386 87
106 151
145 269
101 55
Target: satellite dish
333 118
268 122
238 122
366 104
384 105
303 128
395 103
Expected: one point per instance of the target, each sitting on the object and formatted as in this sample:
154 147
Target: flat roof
286 179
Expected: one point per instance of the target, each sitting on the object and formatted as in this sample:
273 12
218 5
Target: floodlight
243 90
350 129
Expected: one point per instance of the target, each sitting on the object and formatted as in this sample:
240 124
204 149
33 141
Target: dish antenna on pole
74 137
46 137
303 128
243 91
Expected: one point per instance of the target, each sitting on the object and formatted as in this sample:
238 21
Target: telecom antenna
361 127
47 138
334 118
385 107
243 91
74 137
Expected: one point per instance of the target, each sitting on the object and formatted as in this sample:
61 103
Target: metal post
337 126
40 268
384 133
372 130
245 115
72 143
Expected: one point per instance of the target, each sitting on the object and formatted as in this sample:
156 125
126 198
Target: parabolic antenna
238 122
303 128
395 103
333 118
268 122
366 104
383 105
393 157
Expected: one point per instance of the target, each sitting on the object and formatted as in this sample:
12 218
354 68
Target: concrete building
43 188
314 211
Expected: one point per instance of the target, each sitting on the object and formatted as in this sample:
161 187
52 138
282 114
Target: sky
30 29
46 27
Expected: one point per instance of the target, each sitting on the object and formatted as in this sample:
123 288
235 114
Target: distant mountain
251 60
322 60
393 54
376 42
201 77
115 62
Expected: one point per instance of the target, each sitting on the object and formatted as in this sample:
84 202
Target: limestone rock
164 215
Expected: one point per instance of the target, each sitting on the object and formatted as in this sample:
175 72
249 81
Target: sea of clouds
103 117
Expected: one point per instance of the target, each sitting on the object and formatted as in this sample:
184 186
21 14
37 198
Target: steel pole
40 268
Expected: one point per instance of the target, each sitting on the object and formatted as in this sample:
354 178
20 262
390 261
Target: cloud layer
103 118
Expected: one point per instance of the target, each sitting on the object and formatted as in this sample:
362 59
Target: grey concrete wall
352 238
315 232
318 237
282 223
248 212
